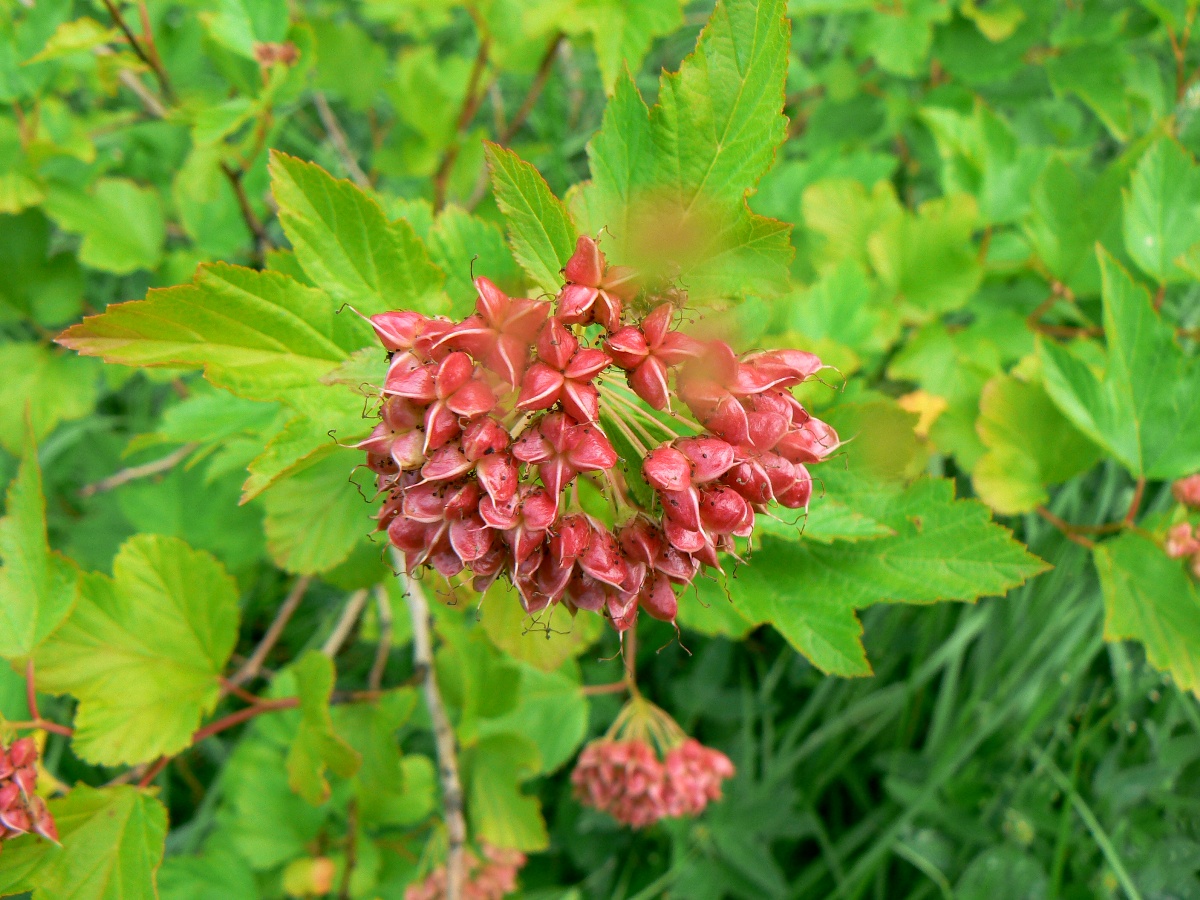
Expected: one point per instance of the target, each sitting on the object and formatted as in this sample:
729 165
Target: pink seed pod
21 810
1182 541
491 878
1187 491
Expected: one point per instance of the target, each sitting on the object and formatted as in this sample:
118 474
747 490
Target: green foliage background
986 215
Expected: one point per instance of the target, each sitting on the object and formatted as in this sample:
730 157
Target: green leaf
669 184
618 157
544 641
928 261
53 387
300 440
460 242
826 521
38 587
41 282
112 845
264 819
500 813
551 711
1149 597
1144 408
1162 210
540 229
390 788
347 245
217 874
142 651
1030 445
135 244
1097 75
77 36
720 117
316 514
261 335
943 549
317 746
622 31
982 155
898 37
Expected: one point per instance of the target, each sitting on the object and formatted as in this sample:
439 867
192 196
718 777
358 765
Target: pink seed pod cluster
627 779
646 769
490 878
488 423
1187 491
21 810
1184 542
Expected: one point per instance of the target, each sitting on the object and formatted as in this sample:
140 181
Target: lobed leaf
348 247
112 842
261 335
1144 408
540 229
942 549
1150 598
143 651
38 587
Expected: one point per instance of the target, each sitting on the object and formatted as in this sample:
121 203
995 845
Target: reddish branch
253 664
509 131
471 102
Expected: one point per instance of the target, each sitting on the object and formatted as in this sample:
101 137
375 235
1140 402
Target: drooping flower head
646 769
490 426
491 878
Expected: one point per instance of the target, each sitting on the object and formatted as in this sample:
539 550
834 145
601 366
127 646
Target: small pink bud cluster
486 422
1183 541
490 878
626 779
21 810
1187 491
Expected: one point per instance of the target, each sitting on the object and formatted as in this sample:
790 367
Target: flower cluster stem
443 736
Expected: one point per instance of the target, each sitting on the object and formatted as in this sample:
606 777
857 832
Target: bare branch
338 138
345 624
471 101
262 241
253 665
509 131
443 734
384 607
170 461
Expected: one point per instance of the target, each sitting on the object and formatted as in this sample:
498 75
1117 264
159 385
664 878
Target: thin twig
470 106
262 241
149 102
384 647
629 656
522 113
35 716
351 848
1069 531
149 57
251 667
443 735
345 624
338 138
156 63
1138 490
613 687
154 467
